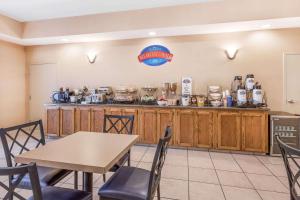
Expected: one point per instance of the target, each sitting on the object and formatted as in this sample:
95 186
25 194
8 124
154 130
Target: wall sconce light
92 56
231 53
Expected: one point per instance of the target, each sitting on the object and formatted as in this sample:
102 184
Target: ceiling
161 32
33 10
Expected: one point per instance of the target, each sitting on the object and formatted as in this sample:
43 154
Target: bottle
236 82
224 99
229 101
249 82
241 96
257 94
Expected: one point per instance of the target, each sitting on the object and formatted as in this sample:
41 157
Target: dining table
88 152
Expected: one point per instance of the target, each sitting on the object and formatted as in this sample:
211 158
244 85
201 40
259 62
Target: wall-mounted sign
155 55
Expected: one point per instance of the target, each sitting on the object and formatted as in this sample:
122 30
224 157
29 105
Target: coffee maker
169 93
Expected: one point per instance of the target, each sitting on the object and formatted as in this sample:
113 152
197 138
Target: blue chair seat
128 183
57 193
47 176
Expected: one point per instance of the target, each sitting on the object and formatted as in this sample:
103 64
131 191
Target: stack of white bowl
214 95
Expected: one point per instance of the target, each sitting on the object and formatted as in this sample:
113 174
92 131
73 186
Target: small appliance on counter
105 90
249 82
241 96
238 81
169 96
287 126
61 96
125 95
248 94
101 95
257 95
148 95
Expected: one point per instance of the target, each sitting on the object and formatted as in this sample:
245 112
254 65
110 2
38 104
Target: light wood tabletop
82 151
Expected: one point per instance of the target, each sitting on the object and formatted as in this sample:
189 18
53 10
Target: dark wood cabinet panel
67 120
254 128
97 119
52 121
165 117
204 129
185 127
229 130
148 126
83 119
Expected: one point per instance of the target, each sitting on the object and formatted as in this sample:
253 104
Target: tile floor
205 175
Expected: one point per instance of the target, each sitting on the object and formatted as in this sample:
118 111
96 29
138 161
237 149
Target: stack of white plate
214 95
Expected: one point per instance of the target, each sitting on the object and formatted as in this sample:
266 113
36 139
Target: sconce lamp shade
231 53
92 56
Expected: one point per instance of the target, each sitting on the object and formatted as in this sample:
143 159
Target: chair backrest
118 124
158 162
291 158
18 139
19 172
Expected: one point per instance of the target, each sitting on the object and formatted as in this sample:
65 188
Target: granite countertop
156 106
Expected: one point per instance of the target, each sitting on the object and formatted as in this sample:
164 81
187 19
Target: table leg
87 184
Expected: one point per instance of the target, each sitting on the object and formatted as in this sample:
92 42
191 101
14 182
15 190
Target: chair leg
129 162
76 180
104 178
158 192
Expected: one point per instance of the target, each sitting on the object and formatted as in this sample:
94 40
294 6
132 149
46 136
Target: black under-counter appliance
287 126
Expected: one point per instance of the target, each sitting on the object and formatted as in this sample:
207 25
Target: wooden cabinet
218 128
165 117
97 119
229 130
67 120
254 129
148 126
203 136
185 127
52 120
83 119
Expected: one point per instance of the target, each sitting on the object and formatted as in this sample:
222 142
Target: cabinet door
203 136
254 132
83 119
114 111
185 128
130 111
52 120
229 130
67 120
165 117
148 126
97 119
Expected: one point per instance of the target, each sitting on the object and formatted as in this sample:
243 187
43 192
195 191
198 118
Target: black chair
291 158
47 193
119 124
131 183
14 144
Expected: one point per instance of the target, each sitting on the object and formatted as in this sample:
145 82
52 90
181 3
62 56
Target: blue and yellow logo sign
155 55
